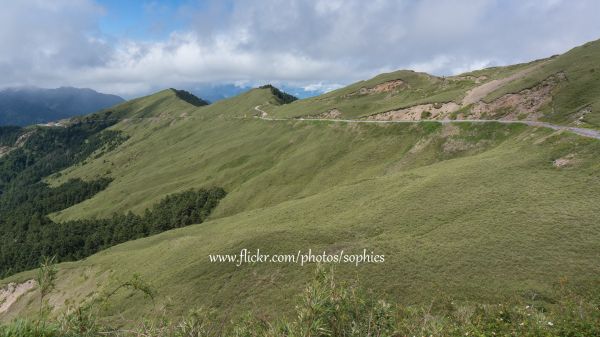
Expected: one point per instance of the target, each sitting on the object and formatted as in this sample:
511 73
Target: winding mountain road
590 133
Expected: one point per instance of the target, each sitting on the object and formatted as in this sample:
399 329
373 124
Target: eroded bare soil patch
525 105
418 112
380 88
331 114
565 161
478 93
11 293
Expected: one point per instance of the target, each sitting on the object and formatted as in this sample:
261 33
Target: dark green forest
10 134
26 231
190 98
283 97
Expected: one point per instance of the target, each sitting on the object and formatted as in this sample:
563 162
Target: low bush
328 308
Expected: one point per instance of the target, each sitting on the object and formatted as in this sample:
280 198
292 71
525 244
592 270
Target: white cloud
315 45
322 87
42 39
186 59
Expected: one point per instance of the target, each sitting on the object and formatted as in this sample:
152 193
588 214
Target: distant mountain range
32 105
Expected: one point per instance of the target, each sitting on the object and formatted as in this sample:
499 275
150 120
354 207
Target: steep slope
30 105
31 154
182 134
471 211
562 89
391 91
189 97
452 207
164 104
575 96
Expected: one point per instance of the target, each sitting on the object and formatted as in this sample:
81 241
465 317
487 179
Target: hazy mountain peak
32 105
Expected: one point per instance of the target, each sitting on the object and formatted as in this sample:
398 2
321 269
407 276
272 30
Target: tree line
27 234
26 231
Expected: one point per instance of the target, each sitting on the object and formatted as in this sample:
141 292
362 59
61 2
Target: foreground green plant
46 279
329 308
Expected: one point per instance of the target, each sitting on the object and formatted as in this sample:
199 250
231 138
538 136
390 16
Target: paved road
580 131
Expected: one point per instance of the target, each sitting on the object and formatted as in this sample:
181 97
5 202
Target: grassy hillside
164 104
572 95
479 212
416 88
337 308
282 160
579 92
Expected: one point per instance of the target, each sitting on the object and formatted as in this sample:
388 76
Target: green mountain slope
563 89
577 99
164 104
479 212
451 207
390 91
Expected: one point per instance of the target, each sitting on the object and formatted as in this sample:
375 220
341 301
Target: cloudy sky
134 47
